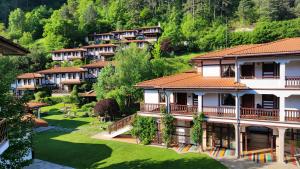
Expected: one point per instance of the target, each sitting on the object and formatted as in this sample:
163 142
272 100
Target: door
248 101
181 98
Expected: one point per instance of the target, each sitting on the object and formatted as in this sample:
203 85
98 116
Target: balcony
213 111
260 114
4 143
292 115
292 81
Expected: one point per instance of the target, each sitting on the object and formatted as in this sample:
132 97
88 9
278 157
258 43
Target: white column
200 101
237 140
282 73
237 107
282 108
168 94
237 72
204 135
280 145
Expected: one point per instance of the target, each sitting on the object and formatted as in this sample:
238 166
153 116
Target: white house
93 69
103 37
68 54
101 51
62 79
125 34
26 82
250 95
139 43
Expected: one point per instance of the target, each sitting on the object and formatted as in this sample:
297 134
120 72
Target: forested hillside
189 25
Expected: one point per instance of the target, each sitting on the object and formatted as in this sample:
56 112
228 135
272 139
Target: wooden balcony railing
292 115
183 109
3 131
120 124
219 111
153 108
260 114
292 81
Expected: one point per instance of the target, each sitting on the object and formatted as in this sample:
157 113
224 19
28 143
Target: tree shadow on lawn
77 155
184 163
66 123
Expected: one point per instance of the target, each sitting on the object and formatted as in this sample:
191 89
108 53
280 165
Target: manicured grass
76 149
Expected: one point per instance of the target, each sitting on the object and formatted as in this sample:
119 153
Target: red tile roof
69 50
191 80
36 104
29 76
62 70
279 47
98 64
100 45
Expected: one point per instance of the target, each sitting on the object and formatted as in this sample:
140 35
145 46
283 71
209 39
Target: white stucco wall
262 83
210 99
293 68
211 71
151 96
190 99
293 102
258 70
257 99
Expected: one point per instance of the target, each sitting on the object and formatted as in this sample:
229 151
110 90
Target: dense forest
188 25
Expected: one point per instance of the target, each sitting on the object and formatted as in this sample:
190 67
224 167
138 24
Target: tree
280 10
74 97
107 108
246 11
16 23
20 130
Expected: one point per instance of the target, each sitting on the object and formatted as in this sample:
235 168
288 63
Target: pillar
280 145
168 106
200 101
237 140
282 73
237 71
282 108
237 107
204 135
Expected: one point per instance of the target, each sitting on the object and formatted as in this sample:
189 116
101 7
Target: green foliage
168 127
246 11
144 128
197 131
74 97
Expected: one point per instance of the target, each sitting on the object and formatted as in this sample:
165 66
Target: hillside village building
68 54
250 95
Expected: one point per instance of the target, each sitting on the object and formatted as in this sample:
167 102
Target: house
249 94
7 47
26 82
102 52
102 37
125 34
68 54
139 43
151 33
93 69
62 79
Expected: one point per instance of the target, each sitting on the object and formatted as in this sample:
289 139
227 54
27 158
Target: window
29 81
25 82
270 102
162 97
57 75
270 70
195 100
227 100
19 81
227 70
63 75
247 71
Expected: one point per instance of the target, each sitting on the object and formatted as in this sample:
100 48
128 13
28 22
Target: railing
292 115
3 131
120 124
260 114
219 111
292 81
183 109
154 108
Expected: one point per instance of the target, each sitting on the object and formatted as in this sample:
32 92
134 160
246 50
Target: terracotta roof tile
191 80
29 76
62 70
36 104
98 64
69 50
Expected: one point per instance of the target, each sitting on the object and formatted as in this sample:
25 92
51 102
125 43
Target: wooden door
181 98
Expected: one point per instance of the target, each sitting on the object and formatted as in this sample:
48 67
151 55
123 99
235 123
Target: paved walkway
40 164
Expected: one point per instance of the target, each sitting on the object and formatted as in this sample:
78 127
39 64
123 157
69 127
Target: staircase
120 126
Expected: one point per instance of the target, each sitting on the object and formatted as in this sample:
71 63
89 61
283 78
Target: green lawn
76 149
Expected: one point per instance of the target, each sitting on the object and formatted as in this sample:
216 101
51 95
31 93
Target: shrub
40 95
107 107
144 128
52 100
168 127
74 97
197 131
88 107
